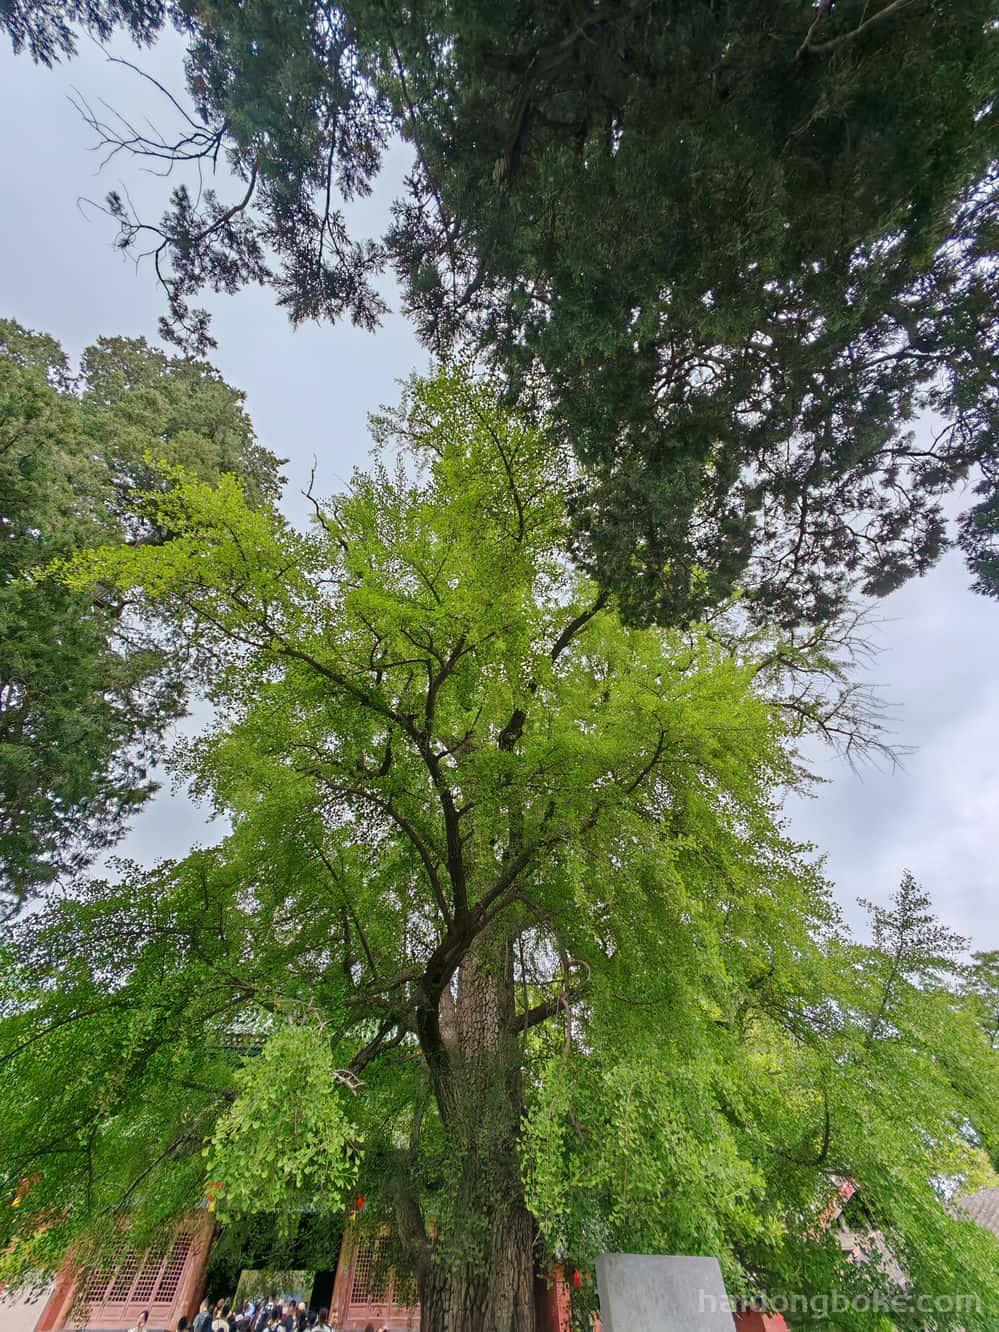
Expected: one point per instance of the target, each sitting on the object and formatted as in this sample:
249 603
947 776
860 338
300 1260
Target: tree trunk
480 1277
498 1297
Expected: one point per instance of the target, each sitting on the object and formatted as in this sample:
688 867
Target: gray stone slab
652 1293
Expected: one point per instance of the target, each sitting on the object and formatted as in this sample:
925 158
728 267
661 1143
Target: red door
363 1294
154 1280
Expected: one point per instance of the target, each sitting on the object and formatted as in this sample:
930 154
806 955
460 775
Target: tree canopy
506 936
739 248
87 687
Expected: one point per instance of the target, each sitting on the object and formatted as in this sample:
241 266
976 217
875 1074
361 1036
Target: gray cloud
937 814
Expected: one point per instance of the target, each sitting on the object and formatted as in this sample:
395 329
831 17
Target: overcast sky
309 392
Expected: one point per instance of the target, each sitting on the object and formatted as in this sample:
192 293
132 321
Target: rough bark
497 1298
480 1277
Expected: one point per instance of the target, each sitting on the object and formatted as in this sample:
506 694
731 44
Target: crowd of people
270 1315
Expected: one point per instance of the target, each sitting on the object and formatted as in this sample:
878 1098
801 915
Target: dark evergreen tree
737 249
87 685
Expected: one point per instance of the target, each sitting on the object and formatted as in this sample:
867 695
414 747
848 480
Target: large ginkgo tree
505 940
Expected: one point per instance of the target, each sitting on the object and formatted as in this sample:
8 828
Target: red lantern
577 1279
360 1203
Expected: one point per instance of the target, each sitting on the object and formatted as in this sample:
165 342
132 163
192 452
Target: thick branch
548 1008
382 1041
576 624
822 48
514 728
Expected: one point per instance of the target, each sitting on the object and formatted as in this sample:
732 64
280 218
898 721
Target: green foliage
982 988
87 687
273 1246
836 1066
740 248
285 1140
45 27
747 246
518 870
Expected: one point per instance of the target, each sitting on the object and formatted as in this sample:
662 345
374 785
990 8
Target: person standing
203 1318
264 1311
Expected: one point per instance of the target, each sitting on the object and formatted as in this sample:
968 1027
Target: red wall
757 1322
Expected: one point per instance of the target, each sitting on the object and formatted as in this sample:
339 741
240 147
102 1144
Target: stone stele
651 1293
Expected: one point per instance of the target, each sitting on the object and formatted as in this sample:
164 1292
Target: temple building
173 1282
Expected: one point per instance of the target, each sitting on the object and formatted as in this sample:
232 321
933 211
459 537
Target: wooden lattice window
173 1269
148 1272
123 1279
114 1295
97 1283
370 1283
368 1289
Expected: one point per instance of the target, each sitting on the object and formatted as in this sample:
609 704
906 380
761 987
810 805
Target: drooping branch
348 906
185 1138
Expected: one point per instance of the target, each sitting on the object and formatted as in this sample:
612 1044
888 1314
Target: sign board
651 1293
